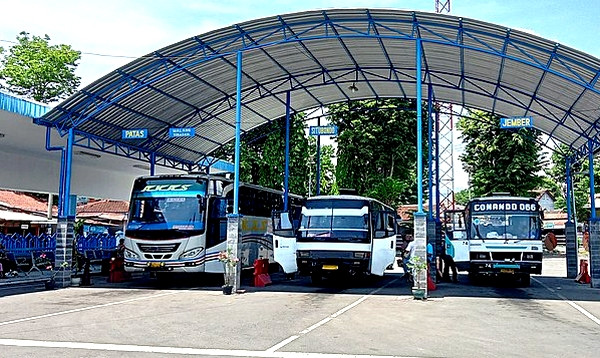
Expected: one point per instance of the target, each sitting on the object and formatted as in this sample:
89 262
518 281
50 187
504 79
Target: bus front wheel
524 280
316 277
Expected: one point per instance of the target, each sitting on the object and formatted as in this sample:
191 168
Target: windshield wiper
479 234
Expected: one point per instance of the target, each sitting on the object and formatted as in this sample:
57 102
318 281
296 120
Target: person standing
448 258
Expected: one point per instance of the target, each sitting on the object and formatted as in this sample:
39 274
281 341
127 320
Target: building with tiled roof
103 212
24 213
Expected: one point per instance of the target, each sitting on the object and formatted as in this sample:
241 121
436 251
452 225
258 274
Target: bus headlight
192 253
362 255
131 255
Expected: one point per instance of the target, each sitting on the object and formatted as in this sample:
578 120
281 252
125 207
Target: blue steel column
420 228
430 151
67 178
570 229
437 165
286 183
238 129
233 220
318 183
64 238
594 240
152 162
419 131
62 170
592 189
569 190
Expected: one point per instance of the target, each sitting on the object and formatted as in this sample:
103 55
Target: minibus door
284 242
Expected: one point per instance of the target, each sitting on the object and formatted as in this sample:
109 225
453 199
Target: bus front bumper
503 267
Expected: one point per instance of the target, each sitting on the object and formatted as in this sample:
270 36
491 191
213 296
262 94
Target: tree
500 160
37 70
328 183
462 197
262 159
376 152
581 182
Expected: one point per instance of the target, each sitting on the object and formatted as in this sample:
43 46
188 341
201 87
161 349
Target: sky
111 33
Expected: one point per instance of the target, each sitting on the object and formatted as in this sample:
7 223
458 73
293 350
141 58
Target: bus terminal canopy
328 56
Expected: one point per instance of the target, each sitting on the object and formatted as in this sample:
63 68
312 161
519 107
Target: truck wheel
473 278
316 278
525 280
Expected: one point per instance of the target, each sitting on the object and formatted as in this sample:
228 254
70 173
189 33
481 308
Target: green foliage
37 70
327 168
556 182
262 156
500 160
376 148
462 197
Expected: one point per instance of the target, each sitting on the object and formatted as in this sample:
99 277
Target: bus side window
391 224
379 224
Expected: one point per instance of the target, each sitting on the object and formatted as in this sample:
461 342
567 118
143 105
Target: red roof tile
23 202
104 206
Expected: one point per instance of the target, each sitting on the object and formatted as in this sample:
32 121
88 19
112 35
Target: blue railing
96 245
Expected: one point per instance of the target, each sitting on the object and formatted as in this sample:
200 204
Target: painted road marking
326 319
571 303
178 350
89 308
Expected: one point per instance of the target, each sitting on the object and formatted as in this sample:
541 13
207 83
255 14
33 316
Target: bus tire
316 277
474 277
525 280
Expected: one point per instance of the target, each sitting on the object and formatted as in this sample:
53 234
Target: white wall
106 177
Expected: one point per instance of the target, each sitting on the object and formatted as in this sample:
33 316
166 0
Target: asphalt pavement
145 317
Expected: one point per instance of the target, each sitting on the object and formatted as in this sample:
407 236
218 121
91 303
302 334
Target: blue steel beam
311 56
373 25
576 78
490 47
154 119
348 53
279 65
501 69
542 77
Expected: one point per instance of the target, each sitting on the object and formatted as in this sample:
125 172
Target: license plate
330 267
507 271
155 264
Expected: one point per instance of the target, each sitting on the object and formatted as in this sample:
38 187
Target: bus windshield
167 209
342 221
505 226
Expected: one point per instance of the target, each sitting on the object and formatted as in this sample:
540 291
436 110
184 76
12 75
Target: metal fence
96 245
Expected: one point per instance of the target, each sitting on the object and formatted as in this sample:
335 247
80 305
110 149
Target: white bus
336 234
178 223
501 236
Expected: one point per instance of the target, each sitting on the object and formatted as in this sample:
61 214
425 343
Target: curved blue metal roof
322 57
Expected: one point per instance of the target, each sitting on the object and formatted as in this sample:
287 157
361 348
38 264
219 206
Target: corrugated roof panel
520 77
481 65
558 90
442 58
210 84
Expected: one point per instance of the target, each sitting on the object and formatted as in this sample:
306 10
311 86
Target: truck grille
158 248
